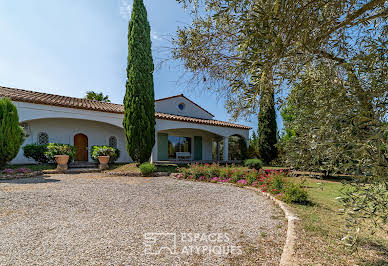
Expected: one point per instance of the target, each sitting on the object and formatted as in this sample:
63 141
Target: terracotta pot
103 159
62 161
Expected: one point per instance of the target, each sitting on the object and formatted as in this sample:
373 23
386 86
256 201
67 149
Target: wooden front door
81 147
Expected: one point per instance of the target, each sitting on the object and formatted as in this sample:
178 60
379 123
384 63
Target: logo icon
156 243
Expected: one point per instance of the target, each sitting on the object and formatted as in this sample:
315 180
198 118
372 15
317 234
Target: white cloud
125 9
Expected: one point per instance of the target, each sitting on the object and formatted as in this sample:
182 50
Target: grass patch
124 168
169 168
132 168
32 167
321 229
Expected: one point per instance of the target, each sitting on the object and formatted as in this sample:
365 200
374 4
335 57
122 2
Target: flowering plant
23 170
268 180
242 182
8 171
59 149
214 179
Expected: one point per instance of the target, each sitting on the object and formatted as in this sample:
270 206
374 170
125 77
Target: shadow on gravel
33 180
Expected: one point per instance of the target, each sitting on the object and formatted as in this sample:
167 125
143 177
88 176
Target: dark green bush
59 149
147 169
253 164
96 151
36 152
277 184
293 193
11 133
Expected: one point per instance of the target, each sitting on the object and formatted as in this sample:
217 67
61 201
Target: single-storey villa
182 127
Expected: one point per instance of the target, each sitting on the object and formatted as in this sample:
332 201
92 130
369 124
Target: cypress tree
11 133
267 128
139 100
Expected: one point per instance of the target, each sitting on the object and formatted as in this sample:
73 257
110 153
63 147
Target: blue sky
68 47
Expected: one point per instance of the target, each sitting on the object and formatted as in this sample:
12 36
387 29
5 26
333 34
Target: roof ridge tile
86 104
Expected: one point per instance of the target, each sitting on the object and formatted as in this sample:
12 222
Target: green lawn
33 167
322 227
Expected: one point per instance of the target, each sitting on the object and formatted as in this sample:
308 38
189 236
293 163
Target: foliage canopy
241 45
91 95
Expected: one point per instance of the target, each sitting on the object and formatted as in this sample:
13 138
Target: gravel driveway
97 219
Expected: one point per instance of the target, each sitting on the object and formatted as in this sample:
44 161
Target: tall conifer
267 128
139 101
11 134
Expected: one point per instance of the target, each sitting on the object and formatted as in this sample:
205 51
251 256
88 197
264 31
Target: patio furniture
184 155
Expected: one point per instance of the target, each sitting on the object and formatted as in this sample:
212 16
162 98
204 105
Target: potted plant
62 161
61 153
103 155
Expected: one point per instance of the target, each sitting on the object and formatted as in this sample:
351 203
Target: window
113 142
178 144
43 138
181 106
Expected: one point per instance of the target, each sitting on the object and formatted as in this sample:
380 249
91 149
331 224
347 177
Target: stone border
291 237
292 218
72 171
129 174
20 175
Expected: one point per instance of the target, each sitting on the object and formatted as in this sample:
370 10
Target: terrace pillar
226 148
218 151
154 153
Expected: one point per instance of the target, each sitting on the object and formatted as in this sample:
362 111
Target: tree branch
384 13
349 19
330 56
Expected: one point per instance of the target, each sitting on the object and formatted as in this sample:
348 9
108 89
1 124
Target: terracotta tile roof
199 121
19 95
57 100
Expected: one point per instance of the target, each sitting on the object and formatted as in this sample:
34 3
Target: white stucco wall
63 123
170 106
63 131
30 111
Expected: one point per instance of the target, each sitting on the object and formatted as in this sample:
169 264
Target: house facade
182 127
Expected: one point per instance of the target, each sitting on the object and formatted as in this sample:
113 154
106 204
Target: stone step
83 165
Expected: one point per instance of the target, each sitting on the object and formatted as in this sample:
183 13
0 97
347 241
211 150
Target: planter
62 161
104 160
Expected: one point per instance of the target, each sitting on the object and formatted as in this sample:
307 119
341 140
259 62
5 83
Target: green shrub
251 176
96 151
11 133
36 152
226 172
293 193
236 176
253 164
147 169
59 149
277 184
213 170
